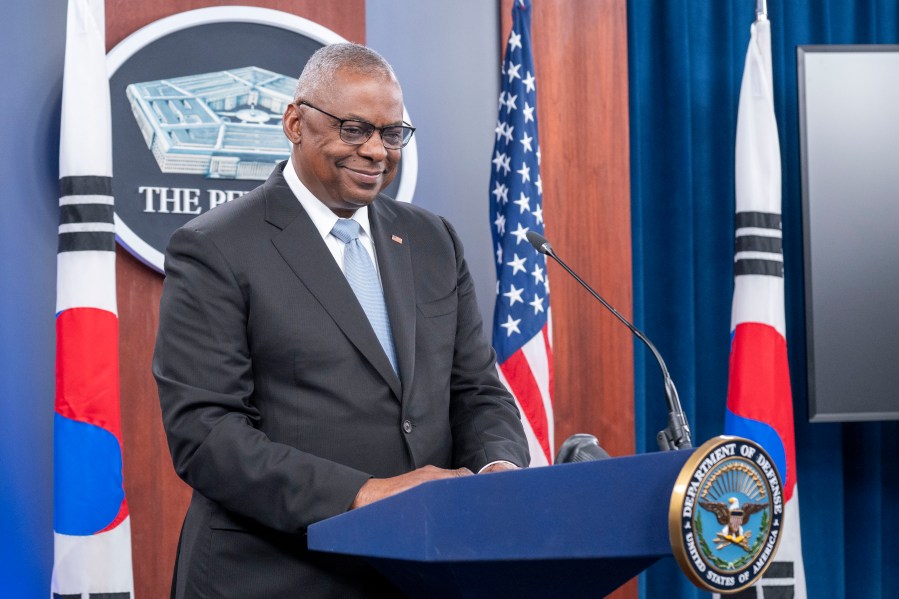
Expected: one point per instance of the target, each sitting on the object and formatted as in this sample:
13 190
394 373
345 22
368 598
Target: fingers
380 488
434 473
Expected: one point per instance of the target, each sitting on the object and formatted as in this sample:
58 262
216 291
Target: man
286 398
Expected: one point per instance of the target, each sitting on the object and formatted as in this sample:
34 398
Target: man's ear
291 123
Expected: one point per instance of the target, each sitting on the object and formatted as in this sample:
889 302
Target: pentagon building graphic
223 125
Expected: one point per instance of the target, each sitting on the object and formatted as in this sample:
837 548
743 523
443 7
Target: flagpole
759 398
91 521
521 333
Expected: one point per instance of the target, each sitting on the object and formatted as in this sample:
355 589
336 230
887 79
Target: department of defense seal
725 515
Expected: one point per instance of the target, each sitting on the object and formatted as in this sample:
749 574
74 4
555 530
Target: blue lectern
570 530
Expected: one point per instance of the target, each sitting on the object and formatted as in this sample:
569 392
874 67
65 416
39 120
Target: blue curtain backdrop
685 67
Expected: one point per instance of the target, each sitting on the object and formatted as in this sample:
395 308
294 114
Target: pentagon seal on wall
196 103
726 514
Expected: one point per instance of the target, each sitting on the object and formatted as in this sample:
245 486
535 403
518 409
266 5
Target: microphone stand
677 434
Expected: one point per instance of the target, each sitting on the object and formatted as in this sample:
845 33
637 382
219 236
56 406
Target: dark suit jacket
279 402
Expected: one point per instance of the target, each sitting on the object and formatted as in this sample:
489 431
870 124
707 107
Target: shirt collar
321 215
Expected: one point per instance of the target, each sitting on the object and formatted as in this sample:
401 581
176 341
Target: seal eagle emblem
733 517
725 514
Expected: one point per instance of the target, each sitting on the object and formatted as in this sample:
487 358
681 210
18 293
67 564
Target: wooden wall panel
580 55
157 499
346 17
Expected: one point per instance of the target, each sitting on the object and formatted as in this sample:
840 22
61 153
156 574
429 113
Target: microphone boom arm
677 434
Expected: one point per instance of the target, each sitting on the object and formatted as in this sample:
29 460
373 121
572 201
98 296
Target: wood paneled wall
157 498
580 55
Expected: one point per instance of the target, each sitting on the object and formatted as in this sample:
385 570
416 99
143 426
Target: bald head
317 78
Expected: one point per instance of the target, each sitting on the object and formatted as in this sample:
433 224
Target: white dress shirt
324 220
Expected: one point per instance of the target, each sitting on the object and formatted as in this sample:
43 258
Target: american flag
522 325
91 525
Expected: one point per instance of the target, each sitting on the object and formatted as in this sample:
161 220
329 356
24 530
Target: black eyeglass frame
373 128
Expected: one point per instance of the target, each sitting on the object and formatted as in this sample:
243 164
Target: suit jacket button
407 426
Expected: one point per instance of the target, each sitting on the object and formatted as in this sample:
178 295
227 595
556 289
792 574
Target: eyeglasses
356 132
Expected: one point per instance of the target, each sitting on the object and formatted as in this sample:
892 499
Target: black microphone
677 434
580 448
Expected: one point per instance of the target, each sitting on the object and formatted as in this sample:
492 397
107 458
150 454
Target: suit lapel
395 264
300 245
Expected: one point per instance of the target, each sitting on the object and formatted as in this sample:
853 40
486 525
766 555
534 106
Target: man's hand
379 488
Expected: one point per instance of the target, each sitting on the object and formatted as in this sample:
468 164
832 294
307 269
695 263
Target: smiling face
342 176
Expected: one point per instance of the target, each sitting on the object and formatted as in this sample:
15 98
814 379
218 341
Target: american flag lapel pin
397 239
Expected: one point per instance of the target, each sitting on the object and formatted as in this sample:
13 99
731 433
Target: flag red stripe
87 367
760 386
549 364
517 371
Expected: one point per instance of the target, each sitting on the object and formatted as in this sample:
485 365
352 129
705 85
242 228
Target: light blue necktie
360 273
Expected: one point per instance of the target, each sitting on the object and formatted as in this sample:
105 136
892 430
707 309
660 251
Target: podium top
615 508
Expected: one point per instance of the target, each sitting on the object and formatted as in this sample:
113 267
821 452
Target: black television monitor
849 127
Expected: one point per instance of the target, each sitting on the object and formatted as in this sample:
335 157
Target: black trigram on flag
758 244
94 596
777 583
